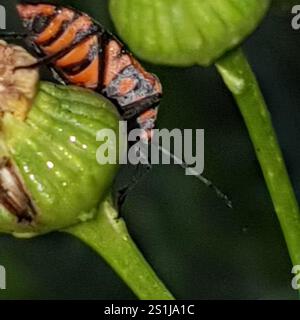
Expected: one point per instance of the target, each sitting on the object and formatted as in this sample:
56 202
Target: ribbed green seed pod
185 32
54 154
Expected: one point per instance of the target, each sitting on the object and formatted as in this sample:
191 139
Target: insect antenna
123 192
220 194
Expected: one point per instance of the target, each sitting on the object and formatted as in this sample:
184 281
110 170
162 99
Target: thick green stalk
109 237
238 76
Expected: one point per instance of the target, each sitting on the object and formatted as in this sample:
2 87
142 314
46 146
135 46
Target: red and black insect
81 52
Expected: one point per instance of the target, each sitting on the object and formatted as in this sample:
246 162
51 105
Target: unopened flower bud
49 176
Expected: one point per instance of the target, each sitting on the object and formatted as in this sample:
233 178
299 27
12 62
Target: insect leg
122 193
13 35
141 170
137 108
41 61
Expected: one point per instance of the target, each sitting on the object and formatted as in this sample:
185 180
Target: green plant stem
238 76
108 236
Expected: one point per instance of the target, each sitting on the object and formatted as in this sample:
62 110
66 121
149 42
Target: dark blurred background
201 249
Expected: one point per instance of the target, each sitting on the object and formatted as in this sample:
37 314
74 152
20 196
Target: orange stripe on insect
148 76
147 115
126 86
89 77
55 26
147 121
78 54
115 61
30 11
83 23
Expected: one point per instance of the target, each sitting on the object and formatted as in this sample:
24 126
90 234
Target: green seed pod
49 176
183 33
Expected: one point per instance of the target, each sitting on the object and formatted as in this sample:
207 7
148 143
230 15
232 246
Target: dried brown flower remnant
13 195
17 86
